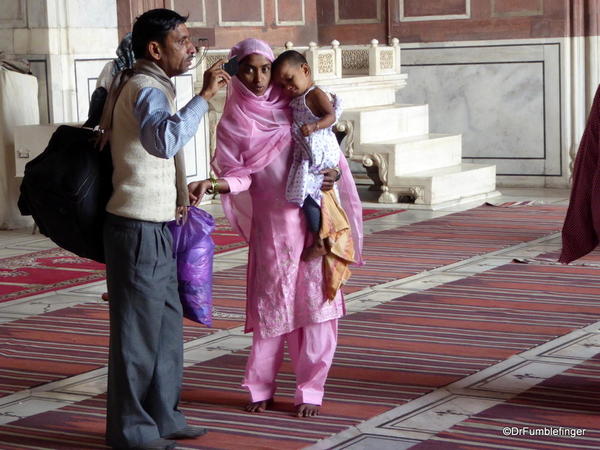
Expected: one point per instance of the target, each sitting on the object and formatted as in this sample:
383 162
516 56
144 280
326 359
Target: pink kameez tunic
283 292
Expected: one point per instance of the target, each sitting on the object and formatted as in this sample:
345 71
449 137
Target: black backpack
66 189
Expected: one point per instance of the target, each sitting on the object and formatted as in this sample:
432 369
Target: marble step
385 123
416 154
447 184
366 91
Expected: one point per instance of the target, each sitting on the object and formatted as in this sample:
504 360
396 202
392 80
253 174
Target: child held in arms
315 146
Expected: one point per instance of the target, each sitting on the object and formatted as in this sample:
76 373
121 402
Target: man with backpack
146 136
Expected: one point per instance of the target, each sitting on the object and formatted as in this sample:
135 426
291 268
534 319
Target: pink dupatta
253 130
251 133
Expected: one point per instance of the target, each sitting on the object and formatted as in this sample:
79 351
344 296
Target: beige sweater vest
143 185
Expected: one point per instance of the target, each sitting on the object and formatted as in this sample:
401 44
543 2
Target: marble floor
399 428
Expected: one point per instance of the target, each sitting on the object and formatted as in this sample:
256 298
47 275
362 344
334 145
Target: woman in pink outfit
285 296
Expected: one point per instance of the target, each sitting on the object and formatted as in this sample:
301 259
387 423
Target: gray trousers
145 365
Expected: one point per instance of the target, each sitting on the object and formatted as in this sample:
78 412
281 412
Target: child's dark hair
289 56
153 25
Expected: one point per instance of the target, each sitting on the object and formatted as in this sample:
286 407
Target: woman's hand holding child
309 128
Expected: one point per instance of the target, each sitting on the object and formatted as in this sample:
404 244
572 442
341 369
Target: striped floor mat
559 413
387 355
59 344
391 255
412 249
226 238
55 268
73 340
591 259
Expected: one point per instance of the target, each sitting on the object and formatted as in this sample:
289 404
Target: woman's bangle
339 173
214 185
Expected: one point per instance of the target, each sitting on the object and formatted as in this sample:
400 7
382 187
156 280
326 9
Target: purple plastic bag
193 248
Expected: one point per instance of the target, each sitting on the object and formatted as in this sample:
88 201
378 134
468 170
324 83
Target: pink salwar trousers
311 350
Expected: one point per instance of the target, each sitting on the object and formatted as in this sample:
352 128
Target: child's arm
320 105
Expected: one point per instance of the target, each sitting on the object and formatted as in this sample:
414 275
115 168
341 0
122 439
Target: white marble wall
197 153
506 98
52 35
68 42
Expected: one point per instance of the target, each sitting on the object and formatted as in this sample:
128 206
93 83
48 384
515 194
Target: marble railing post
384 60
397 54
325 63
337 55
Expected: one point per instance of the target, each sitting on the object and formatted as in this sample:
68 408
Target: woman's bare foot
314 251
307 410
105 296
259 406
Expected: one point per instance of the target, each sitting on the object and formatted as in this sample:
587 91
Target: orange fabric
335 229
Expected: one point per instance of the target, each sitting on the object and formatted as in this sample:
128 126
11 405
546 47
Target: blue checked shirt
163 134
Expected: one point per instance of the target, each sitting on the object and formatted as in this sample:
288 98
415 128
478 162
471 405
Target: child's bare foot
307 410
314 251
259 406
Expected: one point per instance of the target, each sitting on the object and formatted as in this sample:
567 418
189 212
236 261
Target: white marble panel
197 156
56 13
89 386
37 14
13 13
53 302
519 378
504 99
96 14
491 120
374 441
480 265
443 415
584 348
4 318
86 74
6 41
8 252
92 289
37 41
424 282
39 69
29 407
184 86
98 41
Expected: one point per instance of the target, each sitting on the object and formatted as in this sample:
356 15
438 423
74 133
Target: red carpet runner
387 355
567 404
54 269
73 340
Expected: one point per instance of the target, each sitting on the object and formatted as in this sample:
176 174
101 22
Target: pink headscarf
251 133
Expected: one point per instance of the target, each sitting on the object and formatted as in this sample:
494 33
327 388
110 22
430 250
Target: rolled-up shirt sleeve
238 184
163 134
